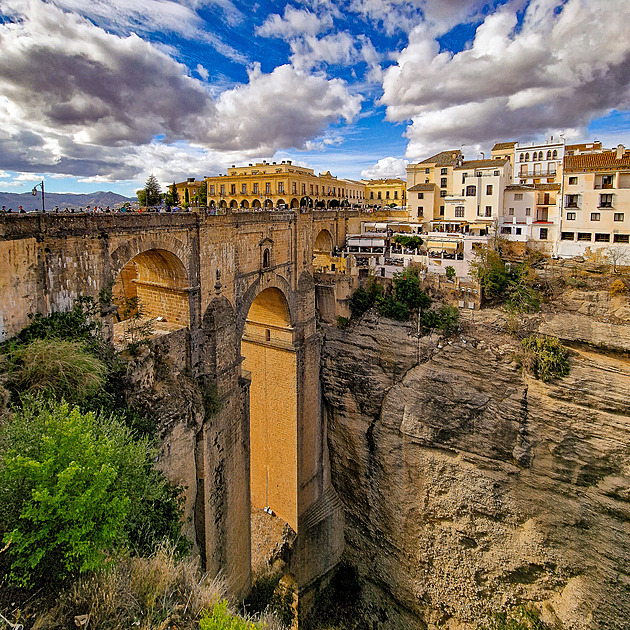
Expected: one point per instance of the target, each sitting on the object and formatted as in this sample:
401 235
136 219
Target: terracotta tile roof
605 161
500 146
445 158
584 146
482 163
419 187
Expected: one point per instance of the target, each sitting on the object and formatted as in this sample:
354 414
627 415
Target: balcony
534 173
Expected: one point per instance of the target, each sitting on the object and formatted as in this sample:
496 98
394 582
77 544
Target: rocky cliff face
470 487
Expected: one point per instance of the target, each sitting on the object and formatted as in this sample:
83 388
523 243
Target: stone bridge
240 289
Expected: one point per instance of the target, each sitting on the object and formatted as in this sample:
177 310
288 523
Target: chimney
620 151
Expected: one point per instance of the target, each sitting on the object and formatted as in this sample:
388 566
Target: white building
538 162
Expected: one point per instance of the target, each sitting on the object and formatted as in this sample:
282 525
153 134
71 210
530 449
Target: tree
142 196
617 256
408 291
74 487
152 191
203 194
174 195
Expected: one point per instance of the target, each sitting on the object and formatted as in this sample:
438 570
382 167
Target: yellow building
435 174
188 192
279 185
503 150
385 192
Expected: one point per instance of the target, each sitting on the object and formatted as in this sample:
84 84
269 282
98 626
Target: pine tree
152 191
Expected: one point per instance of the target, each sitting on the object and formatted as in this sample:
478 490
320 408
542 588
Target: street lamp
41 184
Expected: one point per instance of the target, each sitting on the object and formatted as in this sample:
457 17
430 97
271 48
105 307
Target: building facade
385 192
538 163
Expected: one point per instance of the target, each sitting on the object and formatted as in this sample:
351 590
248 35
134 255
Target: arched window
522 157
266 259
555 155
548 155
527 157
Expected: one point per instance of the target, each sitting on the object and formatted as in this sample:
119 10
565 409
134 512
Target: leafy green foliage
409 292
269 594
342 322
73 487
363 299
137 327
55 367
388 306
408 242
545 357
222 619
445 319
450 272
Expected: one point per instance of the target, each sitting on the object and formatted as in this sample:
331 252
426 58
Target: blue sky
98 94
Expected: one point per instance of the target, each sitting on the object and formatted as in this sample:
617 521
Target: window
548 155
427 170
572 201
488 211
602 238
571 216
554 155
543 234
420 211
443 171
518 196
459 212
420 195
618 216
443 182
303 189
584 236
395 194
605 201
294 188
511 211
372 194
595 216
212 189
281 187
527 157
464 176
528 212
523 172
311 189
244 189
256 189
567 236
471 191
378 194
387 194
506 230
573 181
223 189
552 168
443 193
441 211
266 259
518 231
489 189
607 181
268 188
496 173
621 238
522 158
232 189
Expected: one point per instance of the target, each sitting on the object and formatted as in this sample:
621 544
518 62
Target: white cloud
78 100
202 72
567 63
294 22
338 48
387 168
280 109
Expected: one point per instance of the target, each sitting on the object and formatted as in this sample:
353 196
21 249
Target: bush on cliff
75 487
545 357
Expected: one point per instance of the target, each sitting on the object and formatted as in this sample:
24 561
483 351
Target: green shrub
408 291
55 367
74 487
448 319
393 309
491 272
222 619
342 322
518 618
363 298
545 357
411 242
450 272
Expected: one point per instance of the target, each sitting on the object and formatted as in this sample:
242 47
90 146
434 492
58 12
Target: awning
442 245
481 226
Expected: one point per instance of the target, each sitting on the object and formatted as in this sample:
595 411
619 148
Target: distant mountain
64 200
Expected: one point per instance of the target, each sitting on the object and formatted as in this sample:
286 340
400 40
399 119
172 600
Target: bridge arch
152 280
324 242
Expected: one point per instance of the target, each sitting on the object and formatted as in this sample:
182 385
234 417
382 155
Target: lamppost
41 185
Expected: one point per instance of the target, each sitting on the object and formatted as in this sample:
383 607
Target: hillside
71 200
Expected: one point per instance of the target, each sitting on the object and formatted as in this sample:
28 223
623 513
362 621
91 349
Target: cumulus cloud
337 48
280 109
566 63
75 99
387 168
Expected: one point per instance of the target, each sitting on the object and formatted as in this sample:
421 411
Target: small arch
548 155
270 307
268 203
306 202
294 203
256 203
333 203
527 157
281 203
233 203
522 158
223 203
212 204
266 259
324 242
554 155
245 204
320 204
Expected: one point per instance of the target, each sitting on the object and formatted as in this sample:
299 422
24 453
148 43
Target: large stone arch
324 242
267 280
